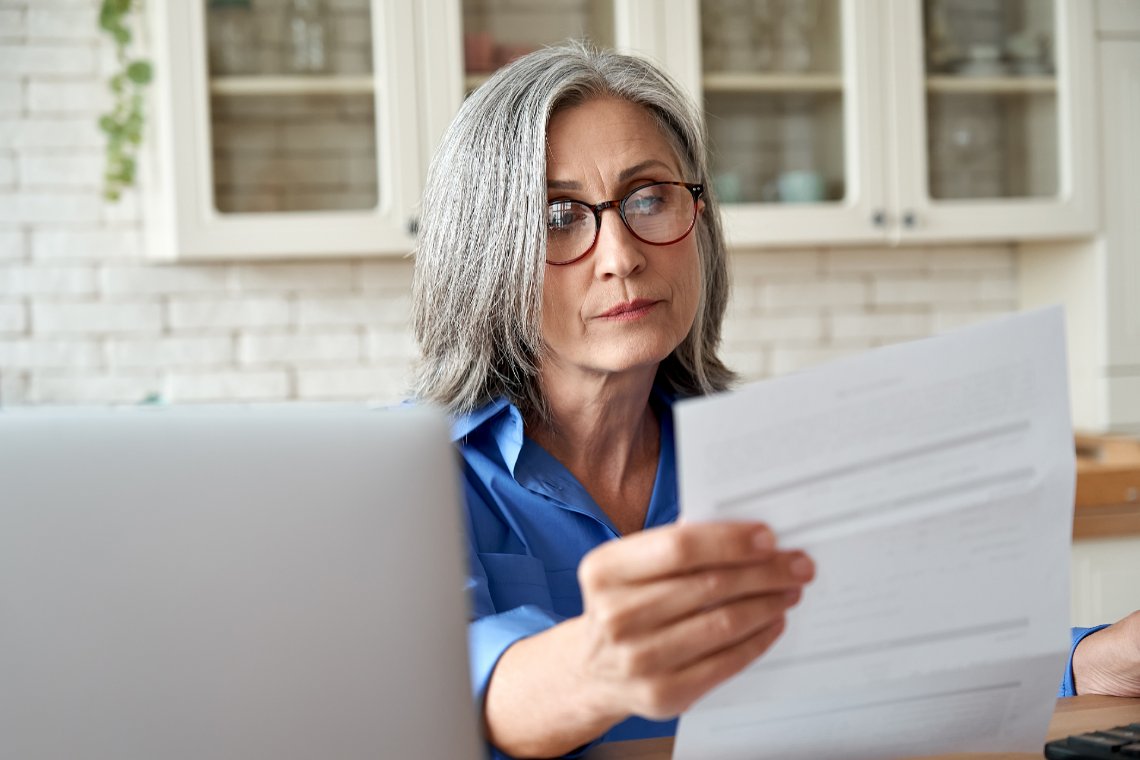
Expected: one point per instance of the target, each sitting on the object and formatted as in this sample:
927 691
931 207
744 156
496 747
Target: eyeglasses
660 213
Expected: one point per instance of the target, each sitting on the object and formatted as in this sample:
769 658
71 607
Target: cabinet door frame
1073 213
188 226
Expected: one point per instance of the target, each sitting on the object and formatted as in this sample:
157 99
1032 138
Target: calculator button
1097 741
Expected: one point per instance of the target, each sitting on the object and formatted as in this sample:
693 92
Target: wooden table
1073 716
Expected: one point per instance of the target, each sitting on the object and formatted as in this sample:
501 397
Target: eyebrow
626 174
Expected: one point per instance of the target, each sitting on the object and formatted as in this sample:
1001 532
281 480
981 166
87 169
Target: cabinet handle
909 220
413 225
879 218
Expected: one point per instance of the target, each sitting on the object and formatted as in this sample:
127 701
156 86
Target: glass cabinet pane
991 98
773 85
496 32
292 105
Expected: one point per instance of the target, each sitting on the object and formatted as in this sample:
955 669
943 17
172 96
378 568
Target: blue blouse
529 524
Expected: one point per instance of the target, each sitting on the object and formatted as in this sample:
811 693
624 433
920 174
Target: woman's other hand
1108 661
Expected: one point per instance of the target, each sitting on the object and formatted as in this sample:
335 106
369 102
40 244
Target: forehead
605 132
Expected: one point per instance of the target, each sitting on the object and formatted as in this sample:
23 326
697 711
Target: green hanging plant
123 125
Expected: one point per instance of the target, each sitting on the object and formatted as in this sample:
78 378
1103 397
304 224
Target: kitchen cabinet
858 121
295 127
831 121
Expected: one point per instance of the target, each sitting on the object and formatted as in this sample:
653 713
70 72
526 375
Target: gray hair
479 265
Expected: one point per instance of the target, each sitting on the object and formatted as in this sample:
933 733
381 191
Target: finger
675 550
653 604
699 636
668 697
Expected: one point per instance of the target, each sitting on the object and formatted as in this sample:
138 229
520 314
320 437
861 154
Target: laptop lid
241 583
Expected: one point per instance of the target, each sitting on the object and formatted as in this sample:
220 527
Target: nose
617 253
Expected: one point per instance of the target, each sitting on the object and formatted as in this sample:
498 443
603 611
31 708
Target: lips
629 309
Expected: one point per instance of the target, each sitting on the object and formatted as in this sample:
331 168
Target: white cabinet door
991 146
1120 98
257 159
882 122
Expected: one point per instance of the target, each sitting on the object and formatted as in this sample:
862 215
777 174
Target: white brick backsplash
752 264
386 384
96 318
47 97
63 24
225 313
924 291
13 318
13 387
392 276
190 351
952 320
24 280
7 171
316 348
820 294
11 23
775 329
997 289
50 244
294 277
48 208
82 170
785 360
873 326
61 132
164 278
11 97
126 210
248 385
385 345
354 311
42 354
22 60
56 387
12 245
873 261
1000 259
751 363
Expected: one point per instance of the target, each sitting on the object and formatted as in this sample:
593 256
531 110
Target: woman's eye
645 204
563 216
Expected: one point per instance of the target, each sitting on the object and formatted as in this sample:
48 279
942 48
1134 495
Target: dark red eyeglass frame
695 188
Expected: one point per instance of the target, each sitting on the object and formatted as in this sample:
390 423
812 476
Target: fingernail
792 596
764 541
802 567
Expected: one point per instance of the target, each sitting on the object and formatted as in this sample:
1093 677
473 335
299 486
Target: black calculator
1118 743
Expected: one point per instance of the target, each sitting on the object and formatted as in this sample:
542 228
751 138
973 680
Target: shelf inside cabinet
992 85
732 81
292 85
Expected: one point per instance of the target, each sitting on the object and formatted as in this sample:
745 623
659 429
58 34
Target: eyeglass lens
658 214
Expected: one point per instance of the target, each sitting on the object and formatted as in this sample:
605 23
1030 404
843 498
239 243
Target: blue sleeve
1068 688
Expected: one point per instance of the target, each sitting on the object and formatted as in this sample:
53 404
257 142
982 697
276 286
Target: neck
603 430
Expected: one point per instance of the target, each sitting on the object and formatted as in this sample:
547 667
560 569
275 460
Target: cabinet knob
909 220
879 218
413 225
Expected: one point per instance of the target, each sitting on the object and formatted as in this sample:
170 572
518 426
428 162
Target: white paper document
932 483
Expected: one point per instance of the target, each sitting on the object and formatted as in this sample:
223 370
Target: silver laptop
242 583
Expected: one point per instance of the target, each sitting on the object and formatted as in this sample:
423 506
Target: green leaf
121 35
139 72
107 124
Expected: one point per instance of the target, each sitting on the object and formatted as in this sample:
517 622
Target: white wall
85 318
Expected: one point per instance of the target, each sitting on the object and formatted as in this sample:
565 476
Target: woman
570 284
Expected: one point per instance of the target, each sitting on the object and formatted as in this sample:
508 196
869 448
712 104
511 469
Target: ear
700 205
